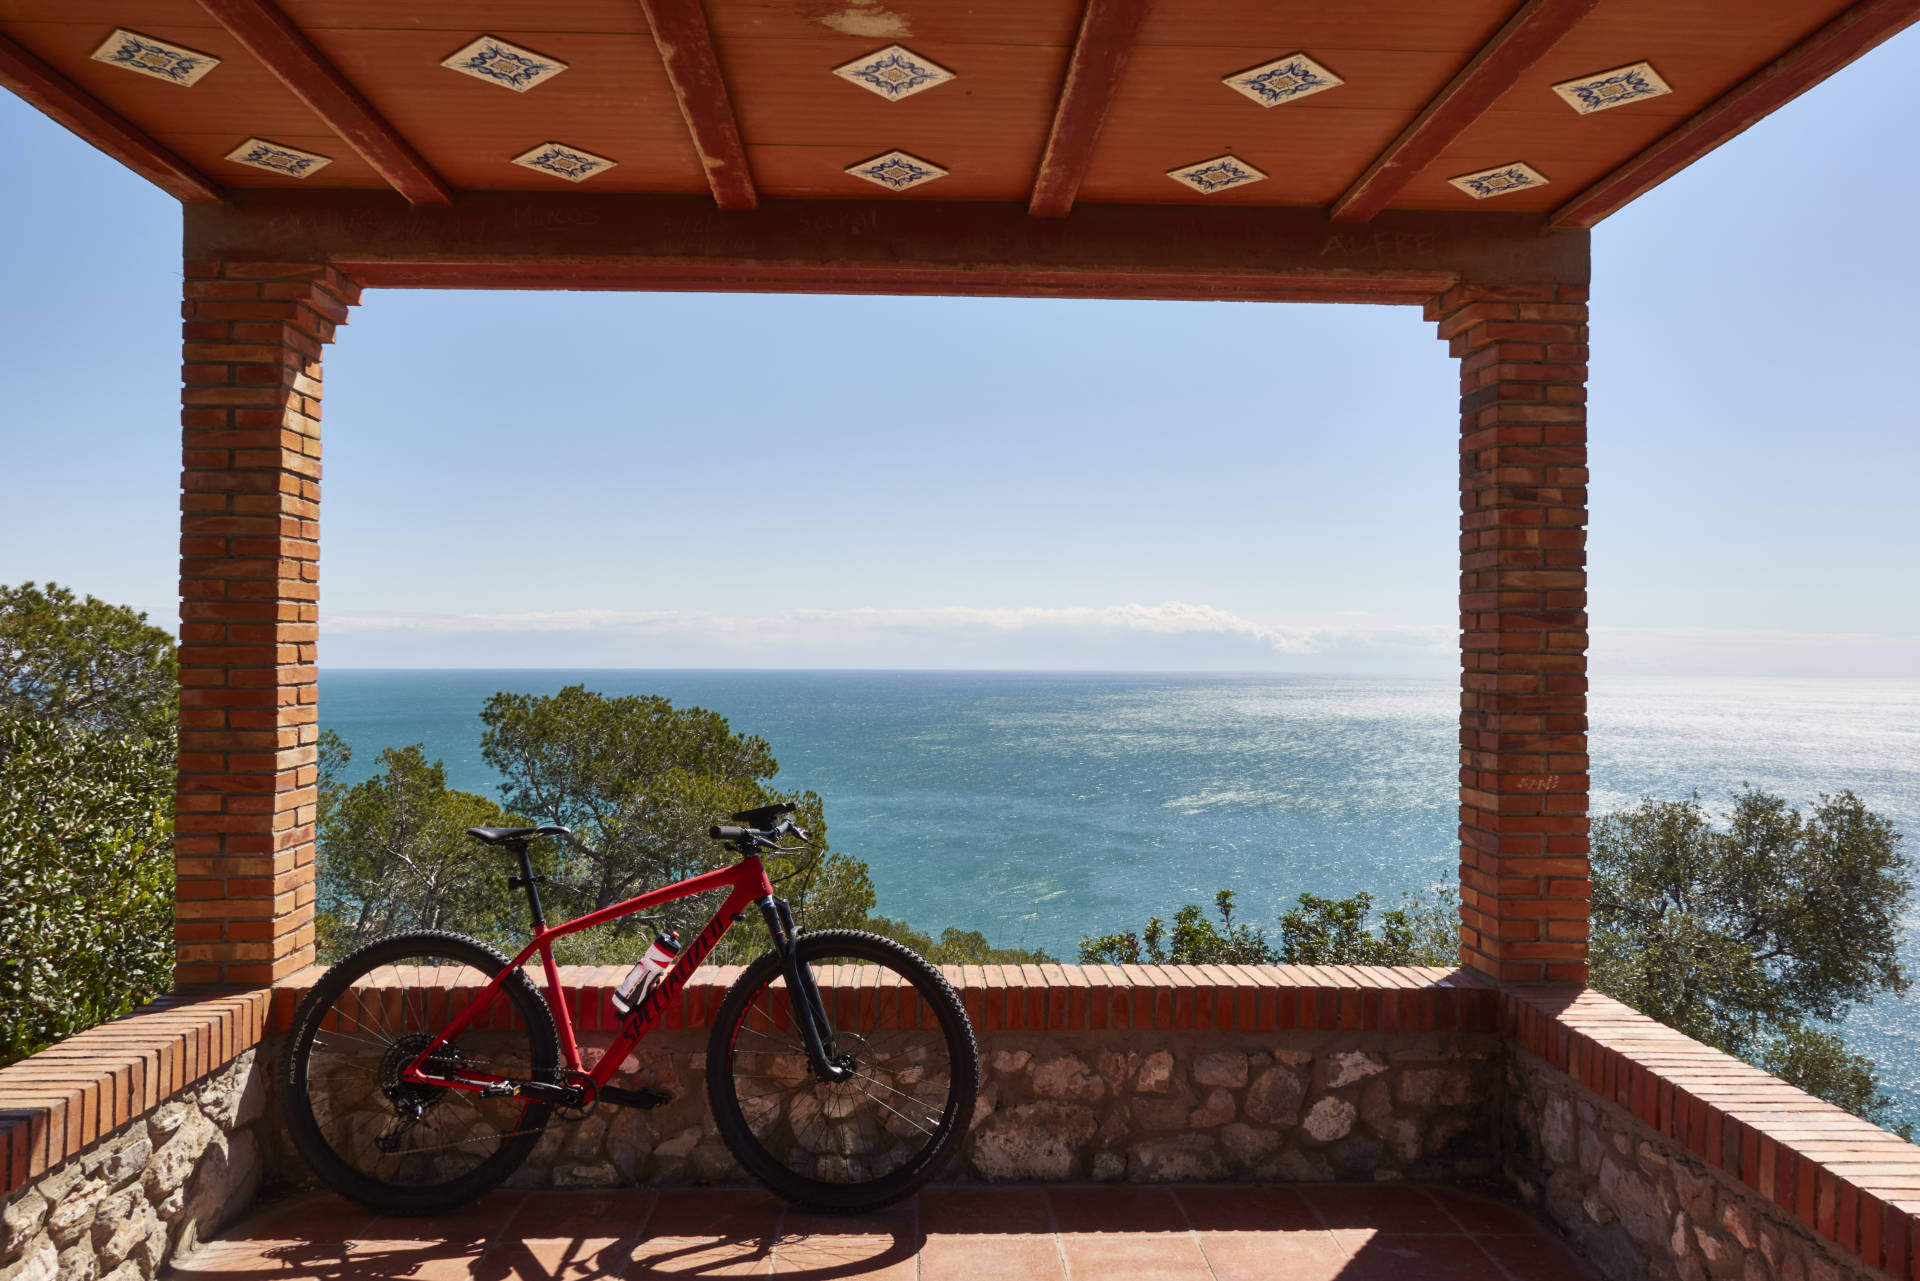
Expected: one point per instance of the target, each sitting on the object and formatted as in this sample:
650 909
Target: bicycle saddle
511 835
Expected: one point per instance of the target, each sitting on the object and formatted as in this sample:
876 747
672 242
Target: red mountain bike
424 1067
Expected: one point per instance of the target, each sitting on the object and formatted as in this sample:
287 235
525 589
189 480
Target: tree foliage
1756 936
1316 931
84 663
86 814
639 781
394 855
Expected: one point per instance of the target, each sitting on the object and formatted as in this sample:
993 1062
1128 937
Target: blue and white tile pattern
894 73
897 171
156 58
507 65
562 161
1283 80
1499 180
1217 174
1613 88
275 157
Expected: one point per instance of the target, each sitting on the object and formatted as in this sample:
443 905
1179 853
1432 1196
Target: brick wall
1523 625
249 586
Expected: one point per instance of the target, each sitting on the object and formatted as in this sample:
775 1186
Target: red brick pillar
1523 627
249 587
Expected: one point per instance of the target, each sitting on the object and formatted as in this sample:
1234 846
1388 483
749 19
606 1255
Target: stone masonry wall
1640 1206
1134 1106
119 1209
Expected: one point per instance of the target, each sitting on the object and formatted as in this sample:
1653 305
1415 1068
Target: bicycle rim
392 1144
876 1136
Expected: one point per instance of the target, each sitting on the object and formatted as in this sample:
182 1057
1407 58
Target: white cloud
1173 634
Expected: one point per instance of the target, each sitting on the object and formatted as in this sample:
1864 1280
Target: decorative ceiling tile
1282 80
157 58
894 73
1614 88
1499 180
1217 174
275 157
507 65
562 161
896 171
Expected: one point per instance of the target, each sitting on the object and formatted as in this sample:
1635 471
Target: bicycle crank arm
566 1096
632 1098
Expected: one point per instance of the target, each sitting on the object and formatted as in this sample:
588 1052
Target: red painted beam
1820 55
284 49
70 105
1100 52
1534 28
686 47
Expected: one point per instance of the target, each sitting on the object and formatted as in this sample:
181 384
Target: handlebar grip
726 832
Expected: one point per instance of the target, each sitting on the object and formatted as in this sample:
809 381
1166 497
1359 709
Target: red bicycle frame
750 887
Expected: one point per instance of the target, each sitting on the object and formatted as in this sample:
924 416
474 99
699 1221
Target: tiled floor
1220 1232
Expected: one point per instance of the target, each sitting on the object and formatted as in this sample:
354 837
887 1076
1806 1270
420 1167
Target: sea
1042 807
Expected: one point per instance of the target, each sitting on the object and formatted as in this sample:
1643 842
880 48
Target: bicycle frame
749 887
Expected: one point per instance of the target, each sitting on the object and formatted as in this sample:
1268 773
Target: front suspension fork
803 994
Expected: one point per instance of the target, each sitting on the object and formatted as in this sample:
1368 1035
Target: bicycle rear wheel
886 1129
398 1147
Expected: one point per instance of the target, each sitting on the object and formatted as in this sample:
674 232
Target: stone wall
119 1209
1134 1106
1640 1206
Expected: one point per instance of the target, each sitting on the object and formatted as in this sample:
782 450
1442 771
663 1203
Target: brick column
249 587
1523 627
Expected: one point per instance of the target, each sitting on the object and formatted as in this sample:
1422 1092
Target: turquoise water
1038 807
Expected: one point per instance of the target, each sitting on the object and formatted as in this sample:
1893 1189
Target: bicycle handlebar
757 824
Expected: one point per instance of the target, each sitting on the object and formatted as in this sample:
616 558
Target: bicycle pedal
499 1090
632 1098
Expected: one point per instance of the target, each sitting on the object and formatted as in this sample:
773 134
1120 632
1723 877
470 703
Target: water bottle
640 980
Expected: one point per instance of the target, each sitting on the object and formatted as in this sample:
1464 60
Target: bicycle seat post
531 882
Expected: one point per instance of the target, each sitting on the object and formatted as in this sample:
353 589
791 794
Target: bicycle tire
319 1140
775 1165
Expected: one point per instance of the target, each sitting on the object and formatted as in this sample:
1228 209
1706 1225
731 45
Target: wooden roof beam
70 105
1100 52
1820 55
1534 28
270 36
686 47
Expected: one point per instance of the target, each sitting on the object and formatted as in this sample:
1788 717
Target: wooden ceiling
1053 101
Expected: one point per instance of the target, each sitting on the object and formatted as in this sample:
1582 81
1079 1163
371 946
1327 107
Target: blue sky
527 479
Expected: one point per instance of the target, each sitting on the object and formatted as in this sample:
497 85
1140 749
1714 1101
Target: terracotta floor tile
1231 1207
828 1255
1389 1208
896 1220
597 1214
231 1260
1534 1256
991 1255
697 1258
1135 1256
1398 1256
482 1221
698 1212
1478 1213
1311 1255
554 1259
314 1217
1115 1208
973 1209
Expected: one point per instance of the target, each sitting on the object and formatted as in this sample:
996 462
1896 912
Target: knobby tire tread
336 1173
856 1198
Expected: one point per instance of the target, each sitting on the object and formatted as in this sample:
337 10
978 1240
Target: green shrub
86 814
86 873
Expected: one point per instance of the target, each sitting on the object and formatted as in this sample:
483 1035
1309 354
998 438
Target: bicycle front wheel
387 1143
893 1123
